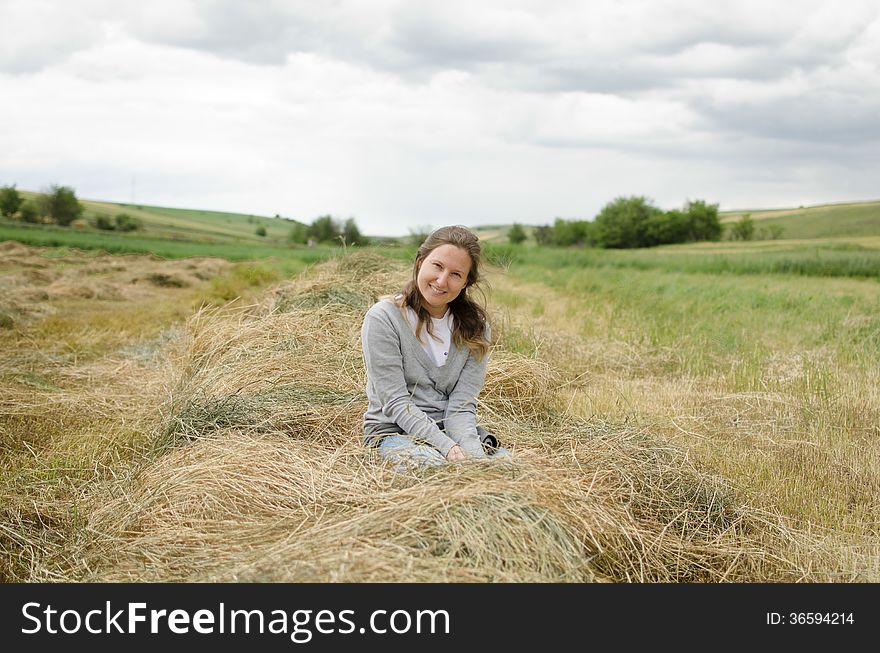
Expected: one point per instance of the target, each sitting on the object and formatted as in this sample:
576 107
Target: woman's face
442 276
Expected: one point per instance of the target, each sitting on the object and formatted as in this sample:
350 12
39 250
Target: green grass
819 259
828 221
852 220
704 321
142 243
191 224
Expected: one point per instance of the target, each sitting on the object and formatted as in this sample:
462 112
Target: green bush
771 232
351 235
59 203
743 229
29 212
299 234
703 221
103 222
623 222
10 201
325 229
517 234
125 222
261 231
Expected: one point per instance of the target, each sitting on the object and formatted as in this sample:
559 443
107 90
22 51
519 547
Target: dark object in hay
6 321
166 280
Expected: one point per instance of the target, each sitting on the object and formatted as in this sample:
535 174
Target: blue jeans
402 451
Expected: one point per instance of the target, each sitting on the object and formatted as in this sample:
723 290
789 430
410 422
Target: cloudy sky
414 113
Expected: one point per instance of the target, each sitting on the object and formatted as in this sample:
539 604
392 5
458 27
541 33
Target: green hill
190 224
823 221
178 232
850 220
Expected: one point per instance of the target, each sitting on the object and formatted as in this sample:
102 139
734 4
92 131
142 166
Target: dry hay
246 506
31 281
254 472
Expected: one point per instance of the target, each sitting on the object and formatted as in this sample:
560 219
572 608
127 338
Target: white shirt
437 344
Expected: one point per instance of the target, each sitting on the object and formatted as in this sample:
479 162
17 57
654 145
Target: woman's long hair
470 324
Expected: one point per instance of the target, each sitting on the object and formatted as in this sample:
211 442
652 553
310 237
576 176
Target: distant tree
261 231
10 201
622 222
743 229
704 223
124 222
325 229
566 233
516 234
665 228
771 232
29 212
418 235
543 235
60 205
103 222
298 234
351 235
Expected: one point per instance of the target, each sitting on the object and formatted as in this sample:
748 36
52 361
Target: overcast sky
408 113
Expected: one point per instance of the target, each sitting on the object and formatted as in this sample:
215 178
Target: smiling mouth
436 290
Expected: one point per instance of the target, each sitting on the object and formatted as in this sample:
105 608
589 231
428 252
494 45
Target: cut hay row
246 465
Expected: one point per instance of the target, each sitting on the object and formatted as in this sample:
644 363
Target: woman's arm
460 420
384 362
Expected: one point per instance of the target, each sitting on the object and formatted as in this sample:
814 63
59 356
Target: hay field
152 432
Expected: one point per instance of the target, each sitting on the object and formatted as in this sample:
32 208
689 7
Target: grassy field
190 224
287 257
829 221
825 221
693 413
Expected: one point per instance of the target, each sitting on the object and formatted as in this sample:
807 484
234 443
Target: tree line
630 222
327 230
58 205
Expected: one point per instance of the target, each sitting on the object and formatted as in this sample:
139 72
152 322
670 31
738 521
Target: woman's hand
456 454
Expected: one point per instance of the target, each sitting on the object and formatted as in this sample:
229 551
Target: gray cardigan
408 393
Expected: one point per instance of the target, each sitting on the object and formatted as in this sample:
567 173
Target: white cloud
407 113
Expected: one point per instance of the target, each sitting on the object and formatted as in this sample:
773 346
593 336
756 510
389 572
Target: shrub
771 232
103 222
573 232
743 229
544 235
10 201
125 222
261 231
351 235
703 221
666 228
29 212
325 229
299 234
60 205
516 234
418 235
622 222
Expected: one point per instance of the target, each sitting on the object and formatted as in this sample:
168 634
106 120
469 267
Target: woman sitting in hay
426 350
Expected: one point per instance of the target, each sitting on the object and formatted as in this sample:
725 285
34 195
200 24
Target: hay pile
33 281
253 471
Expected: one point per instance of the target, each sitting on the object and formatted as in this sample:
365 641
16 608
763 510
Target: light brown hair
470 324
